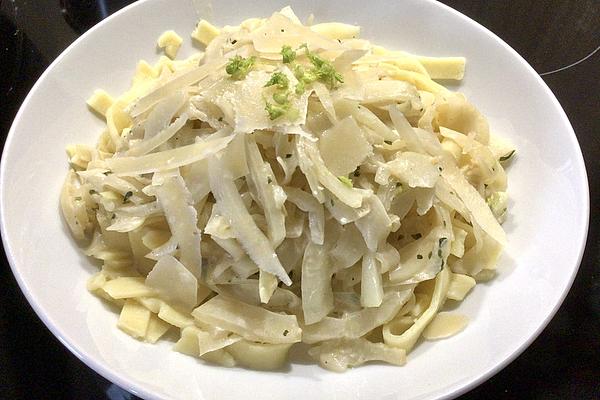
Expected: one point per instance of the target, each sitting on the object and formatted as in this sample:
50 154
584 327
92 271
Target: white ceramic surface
546 229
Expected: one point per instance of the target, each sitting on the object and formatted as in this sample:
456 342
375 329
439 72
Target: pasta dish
291 183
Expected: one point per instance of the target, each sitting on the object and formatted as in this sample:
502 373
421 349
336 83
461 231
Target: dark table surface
564 361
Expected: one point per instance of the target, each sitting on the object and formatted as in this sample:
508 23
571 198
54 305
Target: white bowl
546 229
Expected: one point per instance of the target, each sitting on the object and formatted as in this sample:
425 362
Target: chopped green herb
113 216
238 67
331 201
275 111
92 191
329 75
300 87
419 257
288 155
440 169
325 71
288 54
416 236
280 98
220 119
299 72
127 196
234 41
282 104
285 332
269 180
429 255
440 252
398 184
279 79
356 171
107 173
345 180
387 142
304 77
507 157
322 70
441 241
281 108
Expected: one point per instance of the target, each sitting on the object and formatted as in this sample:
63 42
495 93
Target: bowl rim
138 389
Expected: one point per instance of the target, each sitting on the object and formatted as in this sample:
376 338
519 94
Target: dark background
563 363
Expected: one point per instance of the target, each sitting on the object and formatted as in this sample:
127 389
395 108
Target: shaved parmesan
182 217
349 196
279 30
174 282
266 186
179 81
167 159
344 147
252 239
415 169
349 248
